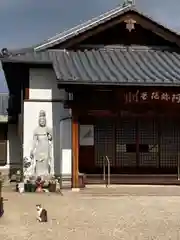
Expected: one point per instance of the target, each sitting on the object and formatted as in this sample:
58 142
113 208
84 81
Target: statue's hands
31 155
49 137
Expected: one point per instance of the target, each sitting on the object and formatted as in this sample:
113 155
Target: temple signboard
145 96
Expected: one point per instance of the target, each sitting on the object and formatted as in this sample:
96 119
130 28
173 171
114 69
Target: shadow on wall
62 137
14 156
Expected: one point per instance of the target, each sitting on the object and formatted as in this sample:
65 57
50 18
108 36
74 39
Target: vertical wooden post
137 144
75 152
26 94
159 142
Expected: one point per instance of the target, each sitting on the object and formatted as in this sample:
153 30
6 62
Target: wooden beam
142 20
89 33
75 151
26 86
26 94
156 28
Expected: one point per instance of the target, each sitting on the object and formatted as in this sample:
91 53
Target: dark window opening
144 148
131 148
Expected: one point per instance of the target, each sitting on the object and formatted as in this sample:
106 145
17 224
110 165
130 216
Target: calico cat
41 213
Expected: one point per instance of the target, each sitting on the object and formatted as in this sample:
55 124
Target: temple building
108 89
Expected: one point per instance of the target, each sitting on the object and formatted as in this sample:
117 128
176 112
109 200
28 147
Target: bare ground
77 216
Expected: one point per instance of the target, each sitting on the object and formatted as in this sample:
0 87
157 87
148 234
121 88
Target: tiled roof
27 57
118 65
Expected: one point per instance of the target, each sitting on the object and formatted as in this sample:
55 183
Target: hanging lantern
130 24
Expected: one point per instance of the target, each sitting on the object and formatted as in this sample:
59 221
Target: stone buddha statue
41 152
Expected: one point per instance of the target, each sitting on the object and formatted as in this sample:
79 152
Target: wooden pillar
75 152
26 94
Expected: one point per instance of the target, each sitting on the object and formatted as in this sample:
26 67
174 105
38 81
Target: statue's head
42 121
42 118
42 113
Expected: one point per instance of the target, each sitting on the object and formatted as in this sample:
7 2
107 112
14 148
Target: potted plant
18 179
52 184
39 184
29 185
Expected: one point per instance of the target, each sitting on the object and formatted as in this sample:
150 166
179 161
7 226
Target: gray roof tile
118 65
28 57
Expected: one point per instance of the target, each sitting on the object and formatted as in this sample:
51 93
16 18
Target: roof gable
105 18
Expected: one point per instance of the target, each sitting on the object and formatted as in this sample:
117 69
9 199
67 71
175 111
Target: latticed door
169 143
148 144
126 143
137 143
104 142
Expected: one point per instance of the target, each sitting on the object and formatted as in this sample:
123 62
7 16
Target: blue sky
27 22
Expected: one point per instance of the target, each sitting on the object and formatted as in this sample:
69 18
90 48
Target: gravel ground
74 216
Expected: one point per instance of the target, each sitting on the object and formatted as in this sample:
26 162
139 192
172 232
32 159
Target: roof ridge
88 21
87 25
34 46
45 55
122 47
92 21
139 47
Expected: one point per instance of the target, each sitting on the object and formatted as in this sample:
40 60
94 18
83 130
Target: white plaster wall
43 85
61 132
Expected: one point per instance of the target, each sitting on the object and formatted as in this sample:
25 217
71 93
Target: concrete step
130 190
131 179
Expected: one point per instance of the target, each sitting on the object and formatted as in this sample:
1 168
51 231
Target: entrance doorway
138 145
